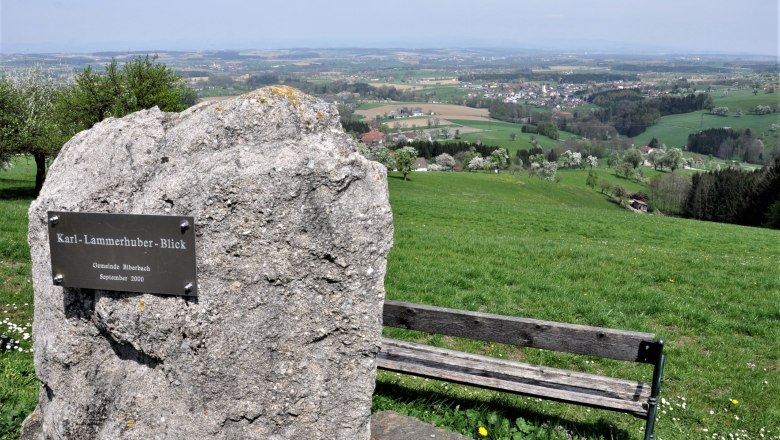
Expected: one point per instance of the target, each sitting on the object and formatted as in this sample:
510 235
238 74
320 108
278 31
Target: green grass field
744 99
559 251
446 94
18 385
517 245
499 133
673 130
374 104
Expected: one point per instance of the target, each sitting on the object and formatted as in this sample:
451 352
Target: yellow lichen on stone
285 91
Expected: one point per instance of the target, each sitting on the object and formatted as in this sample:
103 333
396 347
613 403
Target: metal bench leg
658 373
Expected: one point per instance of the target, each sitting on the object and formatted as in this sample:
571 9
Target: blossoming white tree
445 161
499 158
476 163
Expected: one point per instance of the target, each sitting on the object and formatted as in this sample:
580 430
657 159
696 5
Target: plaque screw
188 288
184 225
54 220
58 279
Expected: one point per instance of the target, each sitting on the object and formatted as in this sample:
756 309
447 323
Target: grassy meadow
518 245
743 99
499 133
18 385
673 130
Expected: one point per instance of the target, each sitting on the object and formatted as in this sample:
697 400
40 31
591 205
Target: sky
622 26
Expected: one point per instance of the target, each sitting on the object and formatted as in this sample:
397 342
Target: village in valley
590 198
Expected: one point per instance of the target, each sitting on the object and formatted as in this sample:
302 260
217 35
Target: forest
631 113
727 143
750 198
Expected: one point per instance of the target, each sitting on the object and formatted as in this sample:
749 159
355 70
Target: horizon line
593 51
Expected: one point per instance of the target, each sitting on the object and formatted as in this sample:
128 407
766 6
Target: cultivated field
442 111
439 82
402 87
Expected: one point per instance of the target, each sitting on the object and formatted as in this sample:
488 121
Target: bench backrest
548 335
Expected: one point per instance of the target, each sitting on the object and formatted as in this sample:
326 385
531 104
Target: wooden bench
627 396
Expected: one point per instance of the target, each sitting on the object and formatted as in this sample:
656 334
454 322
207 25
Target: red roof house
372 137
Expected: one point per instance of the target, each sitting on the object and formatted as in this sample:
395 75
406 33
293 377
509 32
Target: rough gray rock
293 228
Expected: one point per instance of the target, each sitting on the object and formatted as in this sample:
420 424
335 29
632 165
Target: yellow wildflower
734 401
482 431
130 423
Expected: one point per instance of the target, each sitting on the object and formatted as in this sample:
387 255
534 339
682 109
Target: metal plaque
123 252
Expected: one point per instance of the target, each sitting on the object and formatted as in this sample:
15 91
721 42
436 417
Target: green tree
673 159
632 156
383 156
656 158
613 159
653 143
140 83
619 191
604 185
405 160
592 180
39 115
7 116
624 169
773 216
28 122
709 104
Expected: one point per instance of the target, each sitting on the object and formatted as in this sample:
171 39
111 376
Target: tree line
544 128
670 68
631 114
750 198
430 149
38 114
727 143
528 75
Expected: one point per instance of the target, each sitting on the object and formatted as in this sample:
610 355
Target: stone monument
292 230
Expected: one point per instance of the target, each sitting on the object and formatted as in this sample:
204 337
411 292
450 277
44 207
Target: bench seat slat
498 374
549 335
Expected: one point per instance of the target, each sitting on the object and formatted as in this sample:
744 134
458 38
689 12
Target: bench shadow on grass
598 429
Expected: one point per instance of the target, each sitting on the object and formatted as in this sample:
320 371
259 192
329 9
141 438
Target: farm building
639 205
372 138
